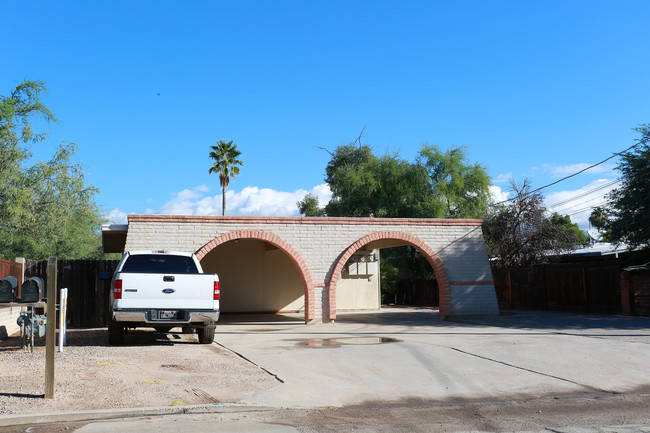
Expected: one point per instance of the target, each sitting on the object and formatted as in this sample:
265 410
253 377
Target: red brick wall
635 292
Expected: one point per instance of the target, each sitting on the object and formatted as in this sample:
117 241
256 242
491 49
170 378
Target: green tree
46 209
459 185
389 278
629 208
599 219
564 221
437 183
310 207
226 164
520 233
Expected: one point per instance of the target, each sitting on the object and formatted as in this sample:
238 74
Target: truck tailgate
180 291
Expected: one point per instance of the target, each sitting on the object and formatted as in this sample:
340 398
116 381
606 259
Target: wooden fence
413 292
592 287
13 269
88 283
581 287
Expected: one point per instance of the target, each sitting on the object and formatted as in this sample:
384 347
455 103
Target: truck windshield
159 264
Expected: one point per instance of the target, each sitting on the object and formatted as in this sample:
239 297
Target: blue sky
534 89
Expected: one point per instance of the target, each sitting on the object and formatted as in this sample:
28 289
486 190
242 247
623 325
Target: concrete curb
104 414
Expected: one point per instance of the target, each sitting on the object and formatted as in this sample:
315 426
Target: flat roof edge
304 220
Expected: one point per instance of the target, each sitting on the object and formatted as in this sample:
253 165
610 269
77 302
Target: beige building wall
8 317
255 277
358 293
359 288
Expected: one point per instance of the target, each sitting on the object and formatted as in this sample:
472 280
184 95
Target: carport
318 266
256 277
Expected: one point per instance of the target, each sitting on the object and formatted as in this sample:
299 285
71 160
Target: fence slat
582 287
88 295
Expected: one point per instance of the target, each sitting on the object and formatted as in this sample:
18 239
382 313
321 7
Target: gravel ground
151 369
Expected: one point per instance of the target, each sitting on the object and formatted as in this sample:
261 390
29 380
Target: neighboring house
597 251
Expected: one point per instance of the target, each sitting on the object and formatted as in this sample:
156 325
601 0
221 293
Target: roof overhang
600 249
114 237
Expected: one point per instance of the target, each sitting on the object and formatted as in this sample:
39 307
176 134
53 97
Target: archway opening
256 277
407 278
402 270
386 273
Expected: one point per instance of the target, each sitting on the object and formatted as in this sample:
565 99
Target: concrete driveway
409 353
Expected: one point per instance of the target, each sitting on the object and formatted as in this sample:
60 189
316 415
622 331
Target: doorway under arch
391 239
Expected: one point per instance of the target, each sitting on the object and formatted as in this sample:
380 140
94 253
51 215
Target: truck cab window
159 264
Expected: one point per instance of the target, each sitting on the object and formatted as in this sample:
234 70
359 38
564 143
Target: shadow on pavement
554 320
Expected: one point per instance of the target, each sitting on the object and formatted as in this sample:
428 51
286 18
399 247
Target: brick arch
296 258
444 291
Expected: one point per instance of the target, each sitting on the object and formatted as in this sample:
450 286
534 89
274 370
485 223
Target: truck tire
206 335
115 333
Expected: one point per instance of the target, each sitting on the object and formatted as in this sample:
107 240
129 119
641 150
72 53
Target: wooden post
583 282
508 277
50 330
545 287
625 283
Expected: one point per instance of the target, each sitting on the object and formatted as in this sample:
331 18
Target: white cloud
579 203
565 170
183 202
116 216
502 178
250 201
323 193
497 195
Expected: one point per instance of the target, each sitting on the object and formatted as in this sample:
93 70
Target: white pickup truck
163 290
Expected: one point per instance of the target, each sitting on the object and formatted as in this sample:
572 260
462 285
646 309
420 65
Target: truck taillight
117 289
217 291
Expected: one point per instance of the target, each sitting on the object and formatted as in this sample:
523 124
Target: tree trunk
223 206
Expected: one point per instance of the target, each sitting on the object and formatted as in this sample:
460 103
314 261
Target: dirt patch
150 369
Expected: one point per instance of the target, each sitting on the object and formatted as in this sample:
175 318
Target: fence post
583 278
509 288
50 331
545 286
21 260
625 294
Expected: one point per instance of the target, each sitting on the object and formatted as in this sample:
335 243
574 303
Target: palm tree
598 217
226 164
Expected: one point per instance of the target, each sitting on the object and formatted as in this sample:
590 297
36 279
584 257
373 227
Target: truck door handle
168 278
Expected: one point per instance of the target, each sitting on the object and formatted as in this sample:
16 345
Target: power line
586 208
566 205
585 193
568 209
642 141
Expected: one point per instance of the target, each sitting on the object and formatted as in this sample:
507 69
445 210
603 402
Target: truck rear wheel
115 333
206 335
